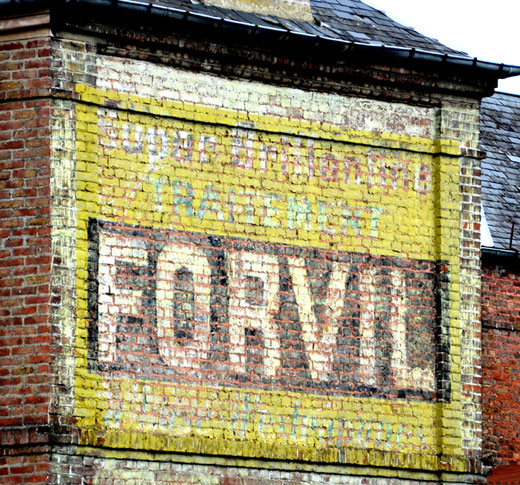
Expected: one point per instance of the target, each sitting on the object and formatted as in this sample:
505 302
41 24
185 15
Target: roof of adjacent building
500 139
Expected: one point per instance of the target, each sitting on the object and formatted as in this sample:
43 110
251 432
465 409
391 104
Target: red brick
38 83
23 54
11 145
37 478
12 164
501 365
35 64
25 74
12 480
9 86
22 470
11 46
24 189
37 43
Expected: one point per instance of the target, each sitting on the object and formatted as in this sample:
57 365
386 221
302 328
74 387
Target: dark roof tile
499 137
349 20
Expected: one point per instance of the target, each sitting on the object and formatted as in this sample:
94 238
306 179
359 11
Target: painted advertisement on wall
262 285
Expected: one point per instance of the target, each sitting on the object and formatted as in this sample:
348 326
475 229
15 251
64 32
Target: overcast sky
486 29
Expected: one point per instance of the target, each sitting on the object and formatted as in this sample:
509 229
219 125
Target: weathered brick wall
25 260
458 120
190 469
501 357
470 283
261 272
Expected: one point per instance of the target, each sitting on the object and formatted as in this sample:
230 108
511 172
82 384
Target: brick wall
191 469
25 259
198 206
501 368
243 269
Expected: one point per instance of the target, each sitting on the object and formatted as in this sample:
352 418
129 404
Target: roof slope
348 20
500 138
360 22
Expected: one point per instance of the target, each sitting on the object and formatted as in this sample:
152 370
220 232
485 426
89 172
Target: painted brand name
166 305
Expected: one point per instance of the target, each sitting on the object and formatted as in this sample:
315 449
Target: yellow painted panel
194 169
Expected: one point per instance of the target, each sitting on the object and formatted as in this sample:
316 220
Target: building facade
500 283
240 246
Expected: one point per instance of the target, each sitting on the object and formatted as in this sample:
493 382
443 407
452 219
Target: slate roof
348 20
357 21
500 138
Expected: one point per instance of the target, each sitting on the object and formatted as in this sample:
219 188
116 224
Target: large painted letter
405 375
319 342
183 305
253 286
122 270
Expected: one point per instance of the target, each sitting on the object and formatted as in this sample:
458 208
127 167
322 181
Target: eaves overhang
507 258
324 43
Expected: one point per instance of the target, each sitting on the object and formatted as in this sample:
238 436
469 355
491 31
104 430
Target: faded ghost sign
234 312
264 286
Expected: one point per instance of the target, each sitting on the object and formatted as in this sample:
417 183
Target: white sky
486 29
